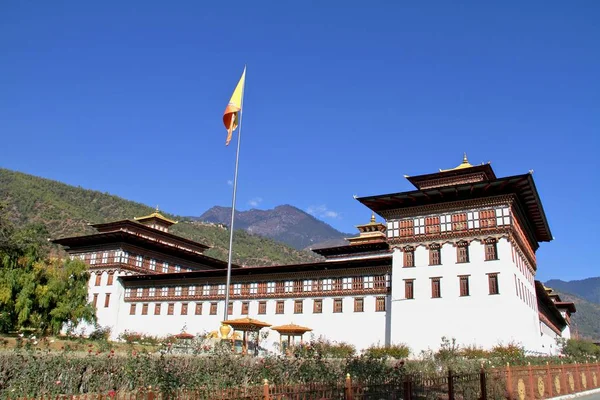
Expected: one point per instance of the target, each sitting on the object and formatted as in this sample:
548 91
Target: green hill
67 210
586 321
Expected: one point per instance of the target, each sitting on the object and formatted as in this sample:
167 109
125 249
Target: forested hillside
67 210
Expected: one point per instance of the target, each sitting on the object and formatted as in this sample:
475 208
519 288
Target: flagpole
235 176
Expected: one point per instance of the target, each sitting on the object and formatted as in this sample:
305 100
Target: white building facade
455 258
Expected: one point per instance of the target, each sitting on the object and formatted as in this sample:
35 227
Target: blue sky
342 98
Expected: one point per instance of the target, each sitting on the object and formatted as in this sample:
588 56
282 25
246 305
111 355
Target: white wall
359 328
479 319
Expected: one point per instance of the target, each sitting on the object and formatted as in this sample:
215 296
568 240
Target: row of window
264 288
523 292
462 253
338 306
123 257
436 286
461 221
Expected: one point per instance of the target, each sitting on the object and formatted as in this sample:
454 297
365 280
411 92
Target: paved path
595 396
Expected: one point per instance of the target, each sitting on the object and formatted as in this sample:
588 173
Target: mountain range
285 223
68 210
585 294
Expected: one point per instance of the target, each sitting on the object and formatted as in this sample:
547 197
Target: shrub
397 351
100 333
580 349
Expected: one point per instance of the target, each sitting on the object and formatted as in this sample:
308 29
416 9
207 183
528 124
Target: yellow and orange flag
232 111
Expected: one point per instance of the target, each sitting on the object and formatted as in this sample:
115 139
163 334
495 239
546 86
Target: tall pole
237 158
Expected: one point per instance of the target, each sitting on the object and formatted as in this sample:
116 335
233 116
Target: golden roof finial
465 164
373 217
465 161
157 208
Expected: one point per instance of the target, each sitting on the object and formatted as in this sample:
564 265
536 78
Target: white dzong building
455 258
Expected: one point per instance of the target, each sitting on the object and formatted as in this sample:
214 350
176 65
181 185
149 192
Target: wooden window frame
184 308
462 252
262 307
408 256
464 288
409 289
298 306
359 304
435 249
95 300
213 308
491 249
230 308
107 300
436 288
198 309
145 309
98 279
318 306
132 309
111 276
493 281
380 304
245 307
171 309
157 308
338 306
280 307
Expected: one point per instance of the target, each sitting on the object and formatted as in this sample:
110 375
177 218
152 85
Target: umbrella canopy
184 335
246 324
291 329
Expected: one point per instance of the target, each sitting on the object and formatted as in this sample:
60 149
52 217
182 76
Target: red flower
112 393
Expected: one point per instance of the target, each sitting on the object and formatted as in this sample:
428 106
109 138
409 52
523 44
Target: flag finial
373 217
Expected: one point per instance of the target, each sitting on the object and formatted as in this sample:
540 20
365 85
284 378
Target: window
206 290
221 290
409 256
254 288
178 290
445 223
408 289
380 304
139 292
327 284
436 291
230 309
381 282
138 261
157 309
95 300
502 216
262 307
165 266
473 220
337 305
184 308
198 309
171 309
164 291
462 252
128 292
98 278
317 306
132 309
192 290
493 283
346 283
298 306
271 287
432 225
152 292
280 307
298 286
93 258
245 308
124 257
213 308
464 285
392 229
491 251
105 257
107 300
237 289
368 282
359 305
357 283
307 286
419 226
110 278
145 309
435 256
178 268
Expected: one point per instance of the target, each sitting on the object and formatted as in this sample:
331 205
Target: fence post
549 379
578 383
348 391
530 373
482 383
150 395
407 387
509 391
563 378
265 389
450 385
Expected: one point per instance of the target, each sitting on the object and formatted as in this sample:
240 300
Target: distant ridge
285 223
66 210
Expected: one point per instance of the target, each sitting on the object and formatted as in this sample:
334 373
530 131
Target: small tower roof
157 216
464 164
